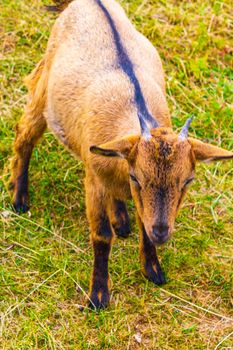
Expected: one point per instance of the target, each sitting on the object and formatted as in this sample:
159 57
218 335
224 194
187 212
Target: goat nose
161 233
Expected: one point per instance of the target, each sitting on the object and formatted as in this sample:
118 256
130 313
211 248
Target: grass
46 257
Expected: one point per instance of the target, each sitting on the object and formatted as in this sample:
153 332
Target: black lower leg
102 239
20 185
28 131
149 260
99 289
121 224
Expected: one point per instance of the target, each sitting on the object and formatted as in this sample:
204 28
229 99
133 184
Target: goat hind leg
28 131
119 218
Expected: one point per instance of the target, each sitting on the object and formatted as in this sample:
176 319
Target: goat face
160 169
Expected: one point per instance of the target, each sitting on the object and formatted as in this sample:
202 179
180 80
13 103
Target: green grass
46 257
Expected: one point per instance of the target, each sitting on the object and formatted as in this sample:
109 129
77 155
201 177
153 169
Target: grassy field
46 257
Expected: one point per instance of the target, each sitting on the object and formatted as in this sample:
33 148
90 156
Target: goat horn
147 125
146 134
184 131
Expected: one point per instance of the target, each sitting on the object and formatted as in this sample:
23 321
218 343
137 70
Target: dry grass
46 257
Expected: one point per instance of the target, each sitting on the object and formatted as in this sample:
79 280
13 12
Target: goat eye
187 182
133 178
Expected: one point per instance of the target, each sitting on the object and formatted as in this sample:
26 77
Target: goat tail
59 5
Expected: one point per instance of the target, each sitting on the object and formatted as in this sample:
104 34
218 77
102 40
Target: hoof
99 300
157 277
20 207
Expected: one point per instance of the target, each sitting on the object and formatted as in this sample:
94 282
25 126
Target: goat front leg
150 264
101 237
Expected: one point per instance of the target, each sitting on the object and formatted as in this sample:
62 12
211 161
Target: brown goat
101 83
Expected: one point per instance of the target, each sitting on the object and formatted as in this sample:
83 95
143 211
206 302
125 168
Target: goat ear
205 152
117 148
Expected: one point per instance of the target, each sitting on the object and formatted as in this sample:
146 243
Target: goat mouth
159 240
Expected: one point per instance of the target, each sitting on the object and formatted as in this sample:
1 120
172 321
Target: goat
100 88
